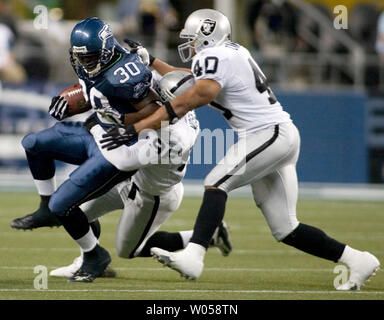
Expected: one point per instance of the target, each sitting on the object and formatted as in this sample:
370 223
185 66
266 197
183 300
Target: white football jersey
156 174
158 179
245 99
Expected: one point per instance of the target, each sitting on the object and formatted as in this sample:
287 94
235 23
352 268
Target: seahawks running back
117 85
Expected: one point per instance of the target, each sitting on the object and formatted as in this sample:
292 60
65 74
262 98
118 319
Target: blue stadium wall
332 128
333 136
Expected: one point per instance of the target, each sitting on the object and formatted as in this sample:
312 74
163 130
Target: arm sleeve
127 158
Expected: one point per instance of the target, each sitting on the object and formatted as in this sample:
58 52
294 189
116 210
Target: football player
116 84
228 77
153 193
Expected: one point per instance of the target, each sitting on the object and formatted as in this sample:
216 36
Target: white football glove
111 115
144 55
136 47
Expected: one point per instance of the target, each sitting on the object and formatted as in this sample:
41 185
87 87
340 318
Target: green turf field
258 268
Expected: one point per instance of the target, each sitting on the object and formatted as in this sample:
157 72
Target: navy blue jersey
124 81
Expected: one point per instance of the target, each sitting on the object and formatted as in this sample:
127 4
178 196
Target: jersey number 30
130 70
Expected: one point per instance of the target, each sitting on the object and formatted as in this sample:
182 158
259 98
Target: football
76 101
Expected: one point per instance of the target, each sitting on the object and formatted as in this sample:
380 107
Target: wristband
151 59
173 118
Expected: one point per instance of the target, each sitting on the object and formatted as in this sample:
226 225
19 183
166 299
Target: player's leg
173 241
93 209
249 159
92 179
142 216
62 142
276 196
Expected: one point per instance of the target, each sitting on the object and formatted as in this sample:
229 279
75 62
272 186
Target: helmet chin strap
95 71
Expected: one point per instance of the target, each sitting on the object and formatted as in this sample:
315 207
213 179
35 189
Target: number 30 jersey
245 99
124 81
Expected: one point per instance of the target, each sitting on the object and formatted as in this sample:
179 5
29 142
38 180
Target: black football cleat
94 265
42 217
222 240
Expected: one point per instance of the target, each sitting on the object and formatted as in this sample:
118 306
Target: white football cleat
68 271
361 269
183 262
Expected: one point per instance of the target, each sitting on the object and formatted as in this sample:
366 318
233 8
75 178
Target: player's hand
90 122
58 108
136 47
111 115
117 136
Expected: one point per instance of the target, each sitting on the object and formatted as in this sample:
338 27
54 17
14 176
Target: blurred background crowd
295 41
304 54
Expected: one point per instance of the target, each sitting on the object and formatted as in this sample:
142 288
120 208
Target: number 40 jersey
245 99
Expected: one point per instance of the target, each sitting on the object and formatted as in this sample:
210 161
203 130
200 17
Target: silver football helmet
175 83
203 28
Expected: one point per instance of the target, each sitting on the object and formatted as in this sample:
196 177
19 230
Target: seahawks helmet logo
105 33
208 26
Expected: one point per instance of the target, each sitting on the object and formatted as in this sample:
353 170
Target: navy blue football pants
70 142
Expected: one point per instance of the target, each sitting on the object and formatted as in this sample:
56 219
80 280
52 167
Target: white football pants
142 216
266 160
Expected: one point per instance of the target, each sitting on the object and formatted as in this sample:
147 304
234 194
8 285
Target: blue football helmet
92 45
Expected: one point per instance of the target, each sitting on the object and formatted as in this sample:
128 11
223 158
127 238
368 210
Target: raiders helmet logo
208 26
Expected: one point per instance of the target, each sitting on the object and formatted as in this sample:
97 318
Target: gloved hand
118 135
58 108
111 115
136 47
90 122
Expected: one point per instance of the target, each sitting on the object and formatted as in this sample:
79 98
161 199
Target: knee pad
29 142
56 206
64 199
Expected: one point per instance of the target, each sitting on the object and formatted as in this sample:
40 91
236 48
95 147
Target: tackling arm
163 67
201 93
145 107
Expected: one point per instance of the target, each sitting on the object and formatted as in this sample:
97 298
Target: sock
314 241
96 228
46 187
210 215
42 167
75 223
186 236
88 241
44 200
163 240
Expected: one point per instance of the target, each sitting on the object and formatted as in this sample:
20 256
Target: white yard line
197 291
234 252
205 269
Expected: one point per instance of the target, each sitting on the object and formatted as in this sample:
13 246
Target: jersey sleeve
213 65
